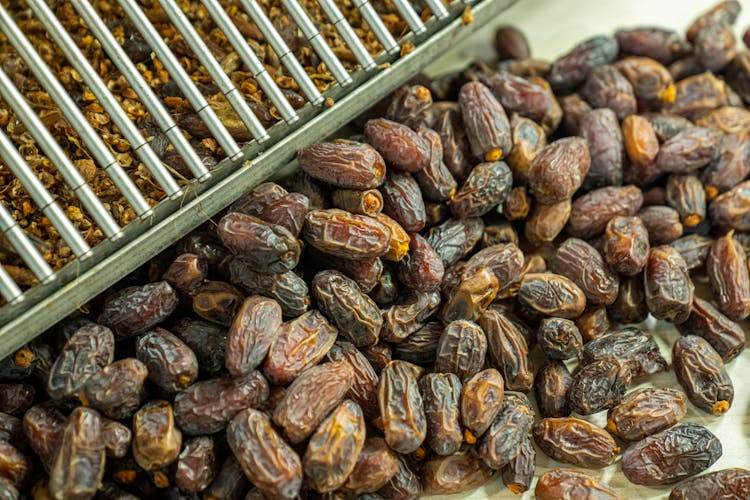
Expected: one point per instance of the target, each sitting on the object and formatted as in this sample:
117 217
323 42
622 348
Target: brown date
519 472
644 412
727 270
700 93
584 265
454 238
269 462
572 68
671 455
422 268
375 466
399 244
454 474
186 272
481 400
408 315
724 335
662 223
593 323
505 260
528 140
626 245
410 105
403 201
599 385
574 109
475 289
364 390
288 289
156 439
217 301
448 123
641 144
346 235
486 123
701 372
264 246
254 201
196 465
309 399
507 350
652 83
207 340
287 212
502 440
685 193
731 209
570 484
366 202
518 204
117 438
171 364
601 130
660 44
559 170
551 385
118 389
206 406
435 179
334 447
574 441
401 406
546 222
487 186
630 345
79 465
230 482
401 147
606 87
725 483
43 427
345 164
421 346
552 294
251 334
461 349
592 211
440 395
510 43
404 485
134 310
299 343
559 338
669 289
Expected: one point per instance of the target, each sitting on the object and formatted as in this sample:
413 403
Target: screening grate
195 192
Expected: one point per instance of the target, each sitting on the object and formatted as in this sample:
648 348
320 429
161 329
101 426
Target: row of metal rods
139 144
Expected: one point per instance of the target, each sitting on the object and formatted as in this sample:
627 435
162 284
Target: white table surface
553 27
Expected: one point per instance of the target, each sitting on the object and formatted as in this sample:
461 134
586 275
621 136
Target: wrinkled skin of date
403 201
454 238
569 484
475 290
461 349
421 346
207 406
689 150
208 342
528 140
724 335
454 474
487 186
265 246
559 338
559 170
171 364
733 164
334 447
552 294
186 272
399 244
299 343
641 143
511 426
725 483
401 407
90 349
662 223
354 314
346 235
732 209
230 481
591 212
366 202
551 385
481 400
519 472
288 289
626 245
652 83
217 301
345 164
252 203
686 194
252 332
435 179
505 260
401 147
135 309
79 465
571 69
507 350
606 87
486 123
694 249
671 455
662 45
422 268
701 372
599 385
593 323
669 289
310 398
375 466
584 265
727 270
574 441
646 411
116 390
196 465
404 484
364 390
408 315
156 439
546 222
269 462
631 345
287 212
440 395
601 130
43 427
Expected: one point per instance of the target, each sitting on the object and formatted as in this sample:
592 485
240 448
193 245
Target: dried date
630 345
551 385
263 245
584 265
156 438
559 339
552 294
79 465
701 372
592 211
454 474
599 385
401 407
669 289
574 441
481 401
196 465
727 270
507 350
134 310
626 245
487 186
559 170
118 389
171 364
345 164
644 412
288 289
502 440
401 147
486 123
253 330
724 335
440 394
725 483
569 484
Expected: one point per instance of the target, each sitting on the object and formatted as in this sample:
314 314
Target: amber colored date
156 438
626 245
727 270
725 483
545 222
701 372
404 485
662 223
186 272
421 268
408 315
440 395
251 334
171 364
575 441
196 465
486 123
454 474
724 335
271 464
334 447
640 141
686 194
461 349
117 438
551 385
310 398
570 484
559 338
401 406
559 170
346 235
435 179
671 455
646 411
364 390
584 265
474 291
403 201
669 289
552 294
346 164
217 301
481 400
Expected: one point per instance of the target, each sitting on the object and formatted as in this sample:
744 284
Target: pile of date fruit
363 329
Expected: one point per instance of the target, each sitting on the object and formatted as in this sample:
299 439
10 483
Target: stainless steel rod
182 79
25 248
42 198
438 9
202 52
377 26
75 117
8 288
68 171
347 33
282 51
317 41
108 101
410 16
266 82
158 112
